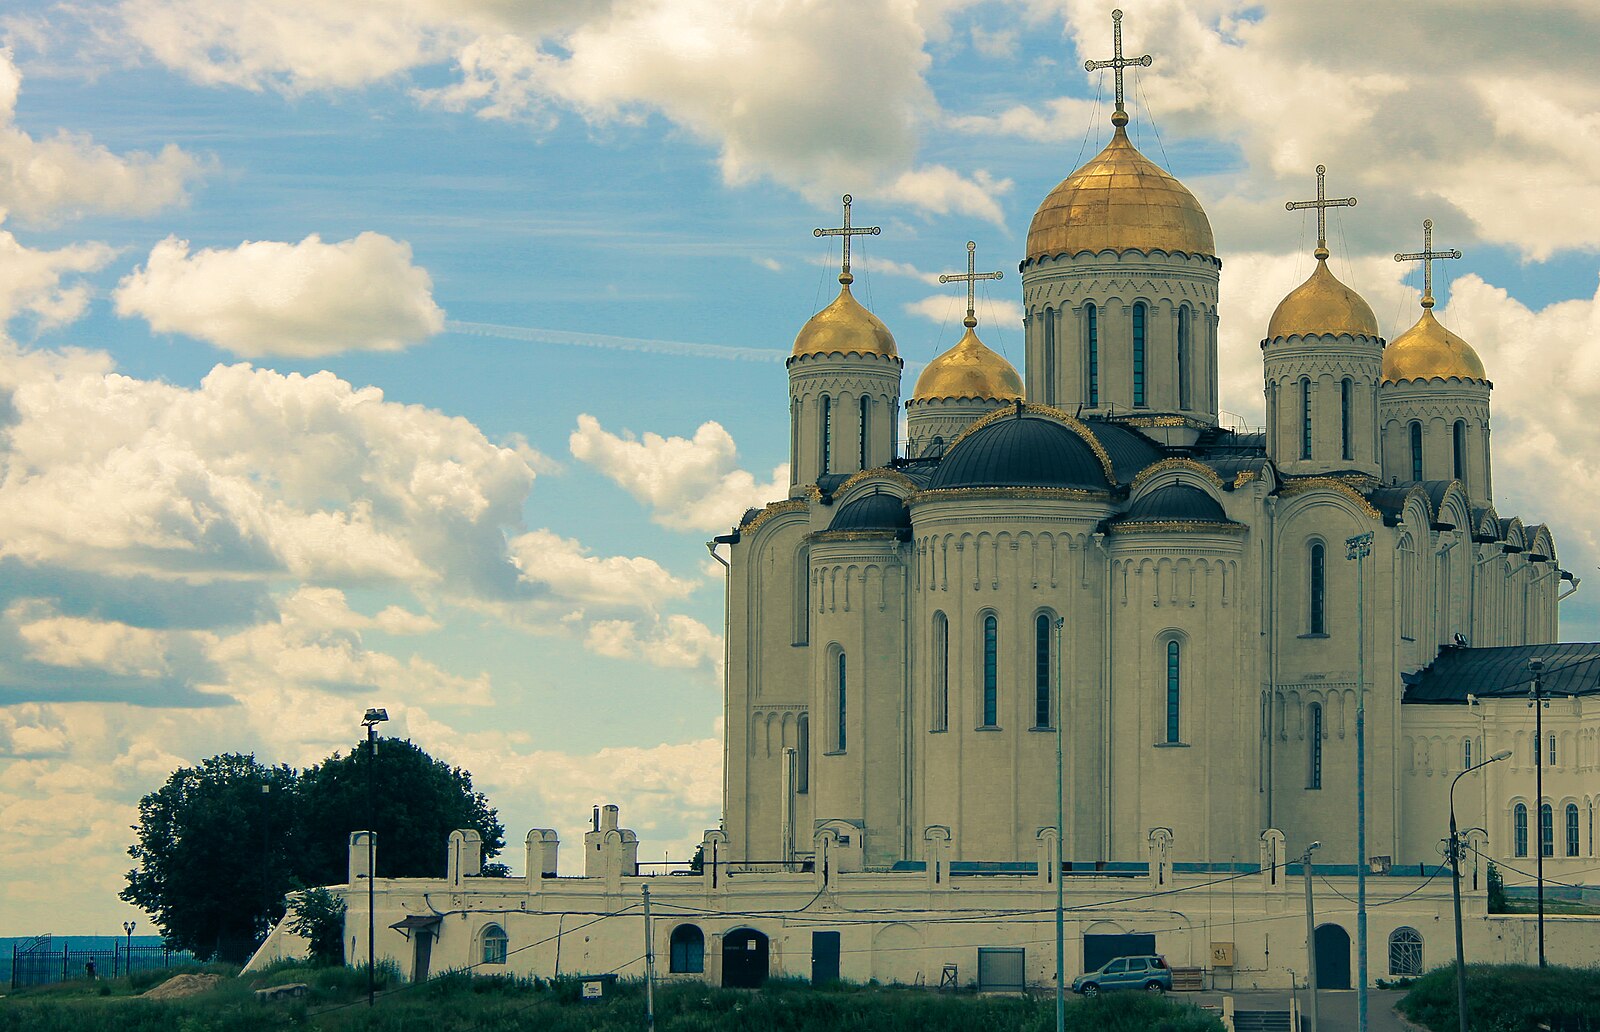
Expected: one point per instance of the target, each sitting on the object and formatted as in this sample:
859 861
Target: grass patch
1507 998
456 1001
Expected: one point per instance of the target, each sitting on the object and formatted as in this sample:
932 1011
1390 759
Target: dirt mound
179 986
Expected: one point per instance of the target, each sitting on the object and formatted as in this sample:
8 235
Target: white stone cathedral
1089 545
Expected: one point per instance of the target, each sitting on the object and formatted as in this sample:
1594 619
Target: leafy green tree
213 854
317 915
417 801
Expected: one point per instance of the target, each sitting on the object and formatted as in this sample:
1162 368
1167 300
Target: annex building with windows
1082 552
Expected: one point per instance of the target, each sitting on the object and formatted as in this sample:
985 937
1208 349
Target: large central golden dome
1120 201
969 370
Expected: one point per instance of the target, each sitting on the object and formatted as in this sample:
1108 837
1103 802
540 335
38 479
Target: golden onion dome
1322 305
1428 351
844 328
969 370
1120 201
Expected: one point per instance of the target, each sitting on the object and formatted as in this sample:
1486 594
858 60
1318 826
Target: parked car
1148 973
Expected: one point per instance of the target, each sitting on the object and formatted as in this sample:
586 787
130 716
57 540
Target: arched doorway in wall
744 959
1333 957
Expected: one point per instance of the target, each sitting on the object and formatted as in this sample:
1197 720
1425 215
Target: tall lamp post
1061 836
1455 877
1358 548
1536 693
1311 935
128 927
370 721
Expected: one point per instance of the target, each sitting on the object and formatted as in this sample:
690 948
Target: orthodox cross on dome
1427 256
847 231
971 280
1322 204
1120 117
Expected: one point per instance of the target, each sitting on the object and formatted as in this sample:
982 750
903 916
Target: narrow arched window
991 671
1572 829
1041 672
802 595
1049 356
1416 451
843 710
1346 396
941 672
794 432
1314 745
494 945
1466 753
1405 952
1519 829
1091 323
1551 759
1174 689
1318 584
827 433
802 755
1184 373
1547 830
1138 353
688 954
1305 418
1459 439
866 431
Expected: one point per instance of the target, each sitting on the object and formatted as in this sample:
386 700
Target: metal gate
1097 949
44 961
1002 969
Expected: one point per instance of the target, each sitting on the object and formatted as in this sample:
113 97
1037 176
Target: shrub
1508 998
317 915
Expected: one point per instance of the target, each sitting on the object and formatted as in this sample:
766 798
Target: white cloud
950 309
689 484
67 641
34 281
566 568
942 190
676 641
303 300
68 175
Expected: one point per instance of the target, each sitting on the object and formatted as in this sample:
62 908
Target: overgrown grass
458 1002
1506 998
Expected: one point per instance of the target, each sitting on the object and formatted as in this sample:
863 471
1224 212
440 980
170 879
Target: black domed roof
872 512
1021 451
1176 502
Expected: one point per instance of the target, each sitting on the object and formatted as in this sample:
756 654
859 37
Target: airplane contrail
600 340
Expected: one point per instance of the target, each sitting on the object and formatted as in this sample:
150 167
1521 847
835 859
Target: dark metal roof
1437 489
872 512
1230 442
1391 501
1570 668
1129 450
1021 451
1175 502
1228 466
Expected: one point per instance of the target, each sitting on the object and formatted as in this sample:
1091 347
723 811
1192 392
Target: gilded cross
1117 64
1322 204
847 231
1427 256
971 280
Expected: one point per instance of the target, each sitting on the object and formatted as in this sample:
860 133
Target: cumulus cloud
950 309
689 483
44 283
303 300
69 175
676 641
564 567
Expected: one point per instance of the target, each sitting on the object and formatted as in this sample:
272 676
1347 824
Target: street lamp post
1358 548
370 721
1311 935
1455 878
128 927
1536 692
1061 836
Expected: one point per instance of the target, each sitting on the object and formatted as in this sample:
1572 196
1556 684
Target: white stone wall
1325 364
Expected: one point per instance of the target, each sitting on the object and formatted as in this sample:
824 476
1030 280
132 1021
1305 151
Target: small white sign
592 990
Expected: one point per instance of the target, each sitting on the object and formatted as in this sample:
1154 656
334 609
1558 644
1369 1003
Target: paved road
1336 1007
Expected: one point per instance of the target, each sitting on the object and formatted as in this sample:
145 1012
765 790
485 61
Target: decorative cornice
774 509
900 479
1156 469
876 534
1177 526
1302 485
1160 421
1052 493
1244 476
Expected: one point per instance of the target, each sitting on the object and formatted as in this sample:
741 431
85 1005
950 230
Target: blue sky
226 221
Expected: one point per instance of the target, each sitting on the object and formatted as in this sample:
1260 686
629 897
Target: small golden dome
1322 305
1428 350
969 370
1120 201
843 328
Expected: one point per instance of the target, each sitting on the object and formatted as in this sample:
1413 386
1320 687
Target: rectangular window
991 672
1041 672
1346 390
1319 613
843 709
1138 355
1092 327
1547 831
1466 753
1314 734
1552 753
1305 419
